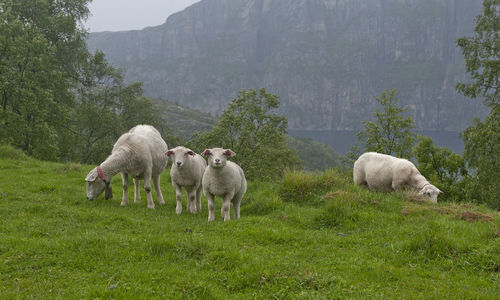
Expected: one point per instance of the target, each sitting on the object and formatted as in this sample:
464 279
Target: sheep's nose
217 160
179 163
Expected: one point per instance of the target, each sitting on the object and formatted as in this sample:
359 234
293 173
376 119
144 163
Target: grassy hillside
312 236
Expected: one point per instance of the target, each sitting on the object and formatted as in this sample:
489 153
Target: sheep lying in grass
187 171
225 179
139 153
381 172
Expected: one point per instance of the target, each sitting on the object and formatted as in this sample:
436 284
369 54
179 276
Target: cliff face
326 59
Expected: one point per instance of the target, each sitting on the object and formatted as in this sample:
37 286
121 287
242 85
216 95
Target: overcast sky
117 15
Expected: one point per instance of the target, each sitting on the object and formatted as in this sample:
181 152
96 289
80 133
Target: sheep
225 179
186 171
139 153
381 172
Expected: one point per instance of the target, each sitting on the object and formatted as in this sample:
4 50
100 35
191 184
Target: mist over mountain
326 59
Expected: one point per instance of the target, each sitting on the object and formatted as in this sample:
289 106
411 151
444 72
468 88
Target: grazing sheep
139 153
381 172
186 171
225 179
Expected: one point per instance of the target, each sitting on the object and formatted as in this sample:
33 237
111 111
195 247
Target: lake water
341 141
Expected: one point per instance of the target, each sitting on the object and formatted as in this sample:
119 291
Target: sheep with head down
225 179
187 171
385 173
139 153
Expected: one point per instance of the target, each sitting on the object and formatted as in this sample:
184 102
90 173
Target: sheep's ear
206 152
190 153
229 153
169 152
109 191
91 176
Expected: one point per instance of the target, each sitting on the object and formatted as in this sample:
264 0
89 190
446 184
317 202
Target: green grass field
311 236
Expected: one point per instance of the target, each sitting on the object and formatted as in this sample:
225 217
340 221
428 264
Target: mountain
327 59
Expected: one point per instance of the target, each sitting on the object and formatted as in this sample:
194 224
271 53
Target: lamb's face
431 192
217 157
180 155
95 185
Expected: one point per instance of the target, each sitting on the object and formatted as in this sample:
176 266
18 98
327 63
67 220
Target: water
341 141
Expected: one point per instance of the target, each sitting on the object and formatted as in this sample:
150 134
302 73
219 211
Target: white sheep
139 153
187 171
381 172
225 179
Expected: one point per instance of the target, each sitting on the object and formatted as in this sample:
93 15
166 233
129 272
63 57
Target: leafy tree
482 139
251 128
390 133
441 166
58 101
39 41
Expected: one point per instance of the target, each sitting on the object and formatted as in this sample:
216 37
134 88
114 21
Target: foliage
481 53
255 133
482 152
390 133
315 156
40 43
356 244
58 101
444 168
482 139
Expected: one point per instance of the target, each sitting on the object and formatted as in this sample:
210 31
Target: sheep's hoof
137 200
124 204
211 219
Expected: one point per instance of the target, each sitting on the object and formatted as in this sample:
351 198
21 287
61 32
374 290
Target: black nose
179 163
217 160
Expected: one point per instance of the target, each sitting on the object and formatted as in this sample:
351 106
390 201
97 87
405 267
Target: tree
441 166
481 56
251 128
482 139
39 41
58 101
391 133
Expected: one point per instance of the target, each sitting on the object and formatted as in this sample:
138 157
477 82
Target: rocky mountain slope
326 59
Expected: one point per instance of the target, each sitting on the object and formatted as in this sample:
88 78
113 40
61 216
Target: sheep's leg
156 180
147 188
236 205
198 199
191 199
226 205
178 196
137 191
398 184
125 189
211 206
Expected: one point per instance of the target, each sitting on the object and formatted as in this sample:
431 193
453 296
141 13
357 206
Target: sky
117 15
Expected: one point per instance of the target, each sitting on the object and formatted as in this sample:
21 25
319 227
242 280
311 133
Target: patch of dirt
471 216
459 214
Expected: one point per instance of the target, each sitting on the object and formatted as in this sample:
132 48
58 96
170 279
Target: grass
315 235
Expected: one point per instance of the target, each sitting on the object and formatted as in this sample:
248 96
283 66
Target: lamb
139 153
225 179
187 171
381 172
